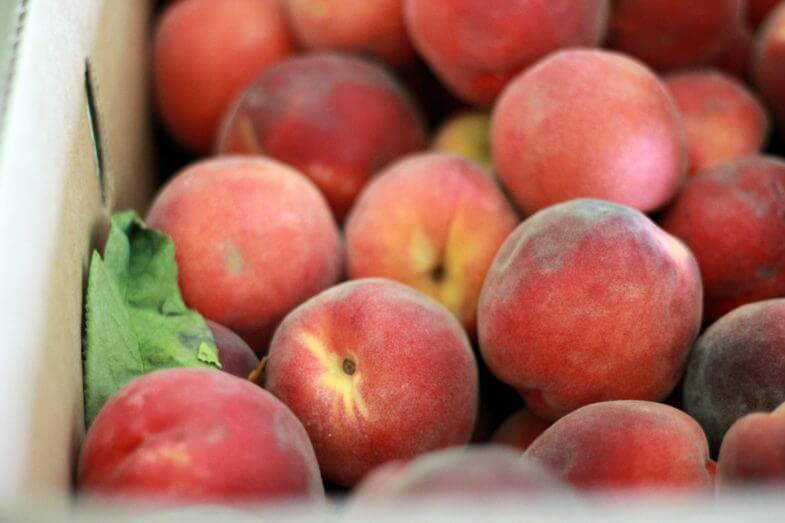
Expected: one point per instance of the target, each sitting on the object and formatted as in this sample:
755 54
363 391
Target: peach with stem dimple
432 221
376 372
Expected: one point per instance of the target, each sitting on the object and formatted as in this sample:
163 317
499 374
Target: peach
485 472
626 445
722 118
467 134
589 301
197 436
205 53
758 10
737 367
372 27
753 450
476 50
377 372
731 217
336 118
768 63
673 34
520 429
433 221
588 123
253 239
237 358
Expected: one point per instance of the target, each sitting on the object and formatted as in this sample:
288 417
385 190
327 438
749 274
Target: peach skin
377 372
589 301
432 221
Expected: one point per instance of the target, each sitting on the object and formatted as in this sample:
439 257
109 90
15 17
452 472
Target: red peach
205 53
377 372
588 123
336 118
236 357
476 49
737 367
731 217
753 450
589 301
197 436
485 472
768 68
624 445
253 239
520 429
467 134
722 118
373 27
432 221
672 34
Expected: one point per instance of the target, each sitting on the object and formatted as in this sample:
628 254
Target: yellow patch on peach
346 387
175 453
422 252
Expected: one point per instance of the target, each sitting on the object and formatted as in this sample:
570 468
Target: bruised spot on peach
234 258
340 375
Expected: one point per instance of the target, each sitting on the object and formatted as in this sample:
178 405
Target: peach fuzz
476 50
337 118
731 217
768 67
486 472
253 239
520 429
182 436
377 372
432 221
236 357
737 368
467 134
673 34
589 301
369 27
588 123
722 118
627 445
753 451
205 53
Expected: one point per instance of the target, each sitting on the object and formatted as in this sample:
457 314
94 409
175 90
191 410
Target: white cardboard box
52 213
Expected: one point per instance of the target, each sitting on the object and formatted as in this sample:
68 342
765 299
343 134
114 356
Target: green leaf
137 321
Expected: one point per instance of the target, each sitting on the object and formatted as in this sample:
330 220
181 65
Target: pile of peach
408 290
